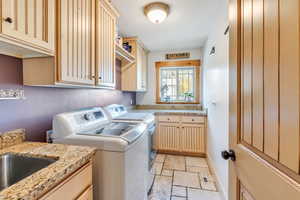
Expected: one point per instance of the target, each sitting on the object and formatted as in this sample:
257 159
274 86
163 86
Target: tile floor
182 178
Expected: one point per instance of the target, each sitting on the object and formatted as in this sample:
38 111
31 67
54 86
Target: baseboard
213 171
203 155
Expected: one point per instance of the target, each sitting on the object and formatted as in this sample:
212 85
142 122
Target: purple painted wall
41 104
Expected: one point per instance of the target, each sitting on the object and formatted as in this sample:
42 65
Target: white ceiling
187 26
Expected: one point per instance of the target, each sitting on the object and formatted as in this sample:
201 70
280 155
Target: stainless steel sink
15 167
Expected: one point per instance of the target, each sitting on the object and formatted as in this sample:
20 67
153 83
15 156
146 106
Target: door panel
264 99
105 45
289 84
168 137
271 82
32 23
76 46
247 72
266 82
257 74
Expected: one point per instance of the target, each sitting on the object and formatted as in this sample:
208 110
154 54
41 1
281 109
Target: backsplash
35 113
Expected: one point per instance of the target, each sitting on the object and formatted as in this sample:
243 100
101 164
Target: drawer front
191 119
87 194
168 118
73 186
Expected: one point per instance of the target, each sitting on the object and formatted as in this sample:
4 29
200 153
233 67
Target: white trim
218 182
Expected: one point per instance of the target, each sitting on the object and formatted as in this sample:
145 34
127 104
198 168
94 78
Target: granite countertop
172 112
70 158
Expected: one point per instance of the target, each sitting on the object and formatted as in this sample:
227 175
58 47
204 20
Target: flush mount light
156 12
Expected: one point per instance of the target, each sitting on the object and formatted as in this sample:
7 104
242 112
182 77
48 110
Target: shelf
126 57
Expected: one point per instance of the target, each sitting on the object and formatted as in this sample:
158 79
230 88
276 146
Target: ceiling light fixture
156 12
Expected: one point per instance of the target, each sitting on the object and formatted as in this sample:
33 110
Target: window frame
182 63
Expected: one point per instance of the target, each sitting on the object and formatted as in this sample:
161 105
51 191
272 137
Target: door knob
229 155
8 19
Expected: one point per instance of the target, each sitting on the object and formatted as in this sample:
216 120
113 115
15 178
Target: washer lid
123 130
133 116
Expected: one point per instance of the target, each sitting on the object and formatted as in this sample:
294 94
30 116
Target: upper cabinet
27 28
134 77
105 44
85 54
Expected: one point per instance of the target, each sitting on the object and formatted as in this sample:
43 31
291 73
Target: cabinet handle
98 78
8 20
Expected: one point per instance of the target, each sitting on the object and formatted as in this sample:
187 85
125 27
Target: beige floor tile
197 169
196 194
186 179
161 189
178 198
179 191
174 162
160 158
208 185
206 175
196 162
157 168
166 172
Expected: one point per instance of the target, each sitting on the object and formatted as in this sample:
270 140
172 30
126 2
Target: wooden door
105 47
76 41
192 139
168 137
30 22
264 99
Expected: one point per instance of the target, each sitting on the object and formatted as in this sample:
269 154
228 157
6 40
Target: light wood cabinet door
105 45
76 41
134 77
29 23
192 138
167 137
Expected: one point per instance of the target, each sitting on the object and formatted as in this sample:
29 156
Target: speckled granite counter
173 112
70 158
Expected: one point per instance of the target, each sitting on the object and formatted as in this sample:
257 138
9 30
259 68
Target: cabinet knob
98 78
8 20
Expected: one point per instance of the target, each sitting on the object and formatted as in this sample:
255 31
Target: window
178 82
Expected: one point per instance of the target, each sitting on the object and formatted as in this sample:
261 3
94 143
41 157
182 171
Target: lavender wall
41 104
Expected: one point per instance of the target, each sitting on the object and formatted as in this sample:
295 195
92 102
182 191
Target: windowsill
161 102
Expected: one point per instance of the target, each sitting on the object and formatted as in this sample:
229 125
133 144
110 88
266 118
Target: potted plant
188 96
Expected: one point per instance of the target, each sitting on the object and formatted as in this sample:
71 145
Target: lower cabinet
78 186
181 134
